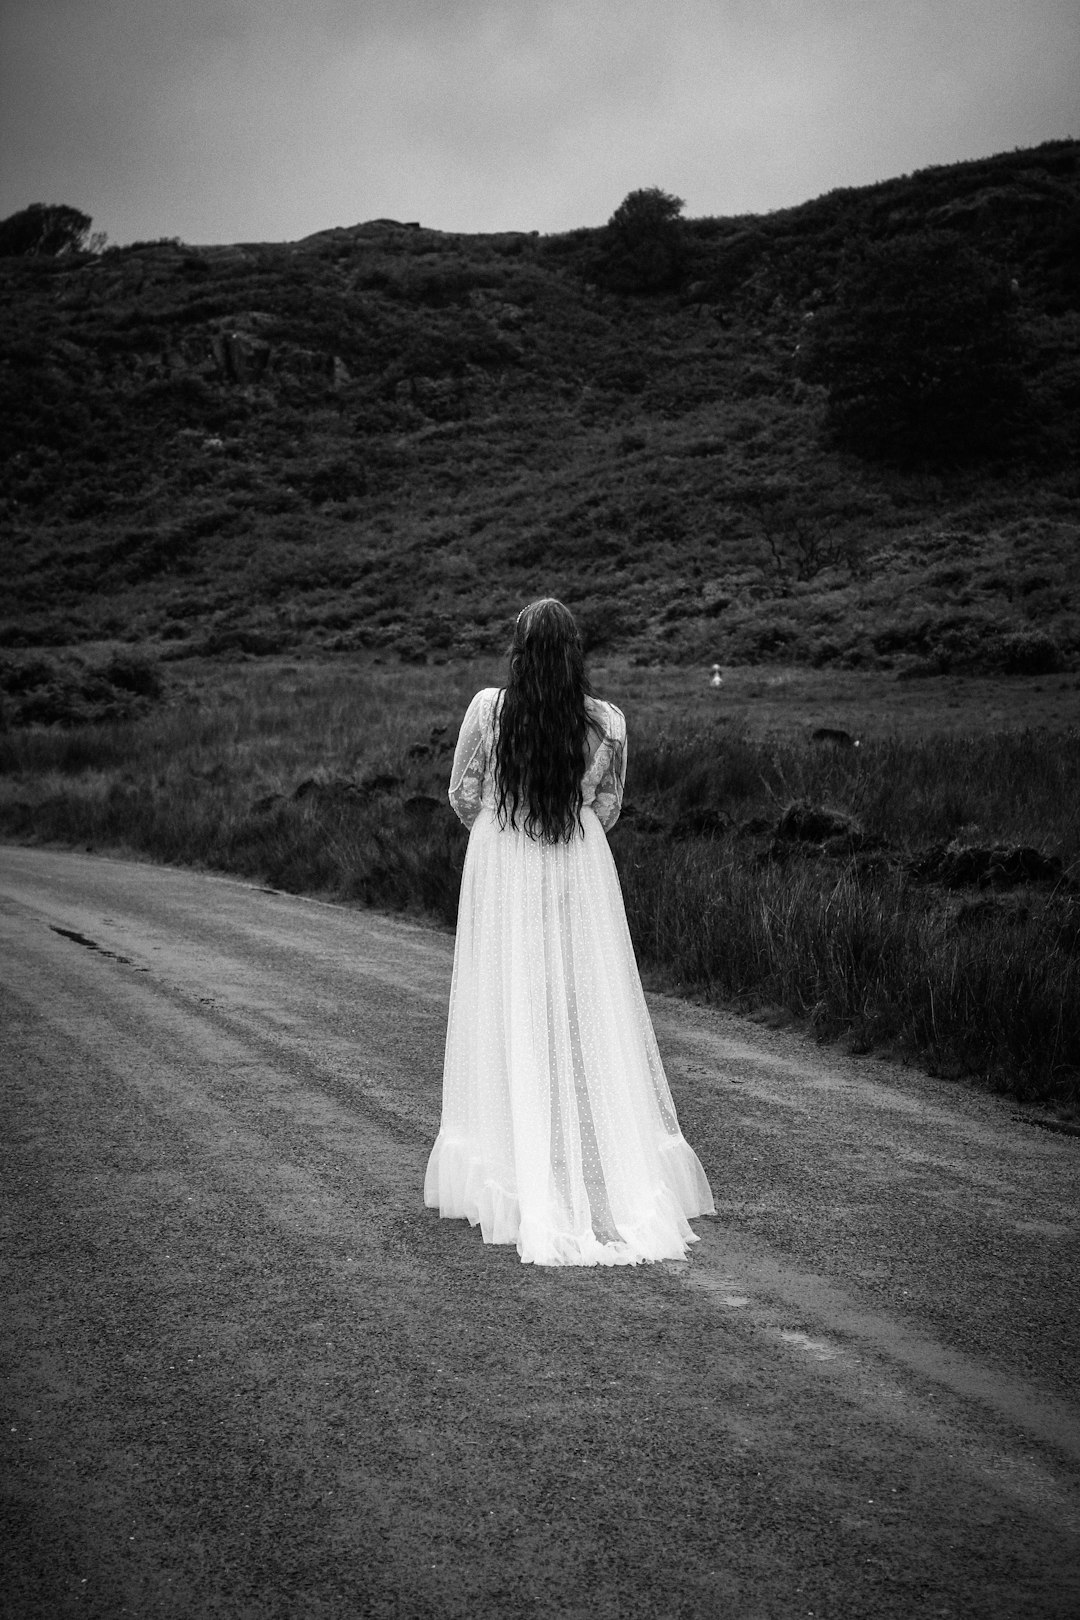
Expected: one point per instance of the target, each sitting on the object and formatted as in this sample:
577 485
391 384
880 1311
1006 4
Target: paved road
246 1373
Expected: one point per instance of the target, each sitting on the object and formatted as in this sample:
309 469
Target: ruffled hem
683 1173
456 1185
663 1235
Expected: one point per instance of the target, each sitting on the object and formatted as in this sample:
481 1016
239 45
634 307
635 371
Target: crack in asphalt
92 945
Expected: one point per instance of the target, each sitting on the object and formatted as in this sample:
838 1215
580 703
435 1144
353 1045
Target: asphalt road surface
247 1373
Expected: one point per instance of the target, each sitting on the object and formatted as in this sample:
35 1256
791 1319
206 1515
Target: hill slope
388 437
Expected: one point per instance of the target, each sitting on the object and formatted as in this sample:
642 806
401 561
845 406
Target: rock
335 791
642 821
701 823
382 782
755 827
988 911
240 358
807 823
1021 864
438 743
956 865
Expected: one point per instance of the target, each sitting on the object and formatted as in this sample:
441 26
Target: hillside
386 437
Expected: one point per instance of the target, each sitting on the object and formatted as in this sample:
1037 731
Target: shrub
920 353
132 673
641 248
44 230
69 692
1030 652
603 624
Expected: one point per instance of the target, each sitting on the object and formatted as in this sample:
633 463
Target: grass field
329 778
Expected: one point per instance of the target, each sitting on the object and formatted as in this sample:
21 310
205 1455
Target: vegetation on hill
244 486
921 352
386 437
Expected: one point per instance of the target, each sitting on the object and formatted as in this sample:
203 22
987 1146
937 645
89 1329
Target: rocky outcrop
343 790
240 358
806 823
956 866
704 822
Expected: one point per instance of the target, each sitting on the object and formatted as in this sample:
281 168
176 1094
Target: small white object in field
717 678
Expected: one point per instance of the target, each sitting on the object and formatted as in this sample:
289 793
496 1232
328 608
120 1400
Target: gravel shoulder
247 1373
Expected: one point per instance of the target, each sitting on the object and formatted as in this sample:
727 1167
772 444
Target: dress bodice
472 780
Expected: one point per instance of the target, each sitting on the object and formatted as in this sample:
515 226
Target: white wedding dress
558 1131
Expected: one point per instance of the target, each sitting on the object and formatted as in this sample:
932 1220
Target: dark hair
543 725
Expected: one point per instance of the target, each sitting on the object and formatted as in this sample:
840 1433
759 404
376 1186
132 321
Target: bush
603 625
642 245
132 673
70 693
44 230
920 353
1030 652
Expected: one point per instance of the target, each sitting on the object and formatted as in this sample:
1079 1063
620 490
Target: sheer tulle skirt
558 1130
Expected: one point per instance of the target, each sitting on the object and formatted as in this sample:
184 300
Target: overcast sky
243 120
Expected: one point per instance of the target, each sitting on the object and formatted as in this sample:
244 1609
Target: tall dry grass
331 780
868 954
975 982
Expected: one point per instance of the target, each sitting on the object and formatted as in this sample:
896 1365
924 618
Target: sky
267 120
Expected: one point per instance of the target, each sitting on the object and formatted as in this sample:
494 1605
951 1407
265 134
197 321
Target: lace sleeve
609 789
470 761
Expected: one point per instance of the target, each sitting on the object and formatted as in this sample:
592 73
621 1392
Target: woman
558 1130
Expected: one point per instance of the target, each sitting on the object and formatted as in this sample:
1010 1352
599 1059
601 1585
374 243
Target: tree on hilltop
44 230
641 248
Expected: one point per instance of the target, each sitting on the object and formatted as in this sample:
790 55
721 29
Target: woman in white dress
558 1131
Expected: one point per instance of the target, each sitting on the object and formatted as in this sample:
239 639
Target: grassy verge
984 992
331 779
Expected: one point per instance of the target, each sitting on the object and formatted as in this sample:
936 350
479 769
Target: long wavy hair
543 725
